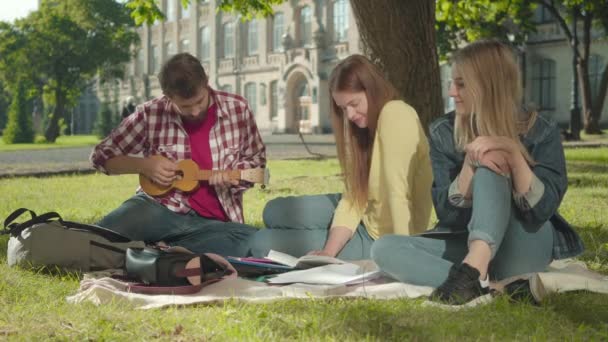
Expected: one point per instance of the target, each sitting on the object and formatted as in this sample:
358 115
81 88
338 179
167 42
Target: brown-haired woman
384 156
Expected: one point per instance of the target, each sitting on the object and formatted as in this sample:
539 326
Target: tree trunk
400 37
592 123
52 129
583 69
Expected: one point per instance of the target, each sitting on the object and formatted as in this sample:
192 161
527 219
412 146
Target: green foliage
459 22
105 120
19 128
63 45
4 103
148 11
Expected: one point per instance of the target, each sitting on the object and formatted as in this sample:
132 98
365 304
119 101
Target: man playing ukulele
190 121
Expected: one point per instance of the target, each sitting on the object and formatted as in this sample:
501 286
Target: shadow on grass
587 180
585 167
576 306
596 247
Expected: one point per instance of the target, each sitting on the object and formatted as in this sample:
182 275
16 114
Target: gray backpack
48 240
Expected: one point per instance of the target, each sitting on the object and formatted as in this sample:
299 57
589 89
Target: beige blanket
561 276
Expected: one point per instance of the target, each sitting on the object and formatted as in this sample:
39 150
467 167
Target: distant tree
398 35
65 44
4 103
461 21
105 118
19 127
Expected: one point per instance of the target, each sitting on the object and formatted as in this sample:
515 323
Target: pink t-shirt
204 200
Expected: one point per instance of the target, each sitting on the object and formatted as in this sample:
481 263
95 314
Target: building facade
547 71
281 64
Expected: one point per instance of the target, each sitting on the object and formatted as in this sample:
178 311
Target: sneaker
519 291
462 286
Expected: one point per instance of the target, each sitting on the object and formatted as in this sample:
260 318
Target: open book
304 262
308 269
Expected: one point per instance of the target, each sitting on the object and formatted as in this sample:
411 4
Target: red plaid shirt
156 129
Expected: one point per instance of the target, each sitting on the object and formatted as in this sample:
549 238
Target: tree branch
550 6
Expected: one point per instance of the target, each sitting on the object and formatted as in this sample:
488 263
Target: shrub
19 128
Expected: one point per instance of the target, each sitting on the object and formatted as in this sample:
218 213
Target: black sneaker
461 287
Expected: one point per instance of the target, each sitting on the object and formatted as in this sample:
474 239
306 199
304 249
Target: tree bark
52 129
583 69
592 124
400 37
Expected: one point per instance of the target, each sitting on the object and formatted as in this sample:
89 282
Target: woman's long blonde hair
492 82
356 73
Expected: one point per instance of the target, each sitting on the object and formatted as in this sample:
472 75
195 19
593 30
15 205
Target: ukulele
189 175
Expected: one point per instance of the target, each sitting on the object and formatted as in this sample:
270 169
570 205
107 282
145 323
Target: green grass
61 142
603 138
33 305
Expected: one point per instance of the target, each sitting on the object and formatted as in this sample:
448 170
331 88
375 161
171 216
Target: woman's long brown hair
355 74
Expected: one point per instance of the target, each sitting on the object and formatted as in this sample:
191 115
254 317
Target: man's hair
182 75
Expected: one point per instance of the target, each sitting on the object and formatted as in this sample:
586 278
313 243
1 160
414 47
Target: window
171 4
542 15
251 96
262 94
184 45
340 20
184 12
277 32
227 88
274 100
205 46
155 59
305 26
543 84
228 31
169 50
595 68
252 37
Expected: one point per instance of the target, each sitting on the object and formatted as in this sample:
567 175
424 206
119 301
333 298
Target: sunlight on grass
35 307
603 138
62 142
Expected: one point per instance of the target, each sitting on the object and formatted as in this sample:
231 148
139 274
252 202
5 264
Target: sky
13 9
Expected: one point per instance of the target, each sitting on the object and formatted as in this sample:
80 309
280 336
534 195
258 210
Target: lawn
33 305
601 138
61 142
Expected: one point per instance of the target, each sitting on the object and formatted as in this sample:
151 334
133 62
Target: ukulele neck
206 174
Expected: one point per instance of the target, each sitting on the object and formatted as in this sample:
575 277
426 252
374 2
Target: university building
281 64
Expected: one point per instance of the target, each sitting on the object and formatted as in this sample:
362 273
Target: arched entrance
298 111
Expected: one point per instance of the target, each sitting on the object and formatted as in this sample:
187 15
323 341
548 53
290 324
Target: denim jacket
543 142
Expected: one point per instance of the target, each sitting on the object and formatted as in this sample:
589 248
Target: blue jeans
141 218
517 247
298 225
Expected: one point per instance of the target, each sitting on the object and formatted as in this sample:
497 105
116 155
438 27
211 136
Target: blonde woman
499 177
384 157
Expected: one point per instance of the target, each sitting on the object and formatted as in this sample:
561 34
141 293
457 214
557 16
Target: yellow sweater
399 192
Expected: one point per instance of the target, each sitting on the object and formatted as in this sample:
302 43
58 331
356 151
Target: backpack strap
15 228
106 233
13 216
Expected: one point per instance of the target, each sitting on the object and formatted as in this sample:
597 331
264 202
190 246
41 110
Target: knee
259 243
272 211
486 177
